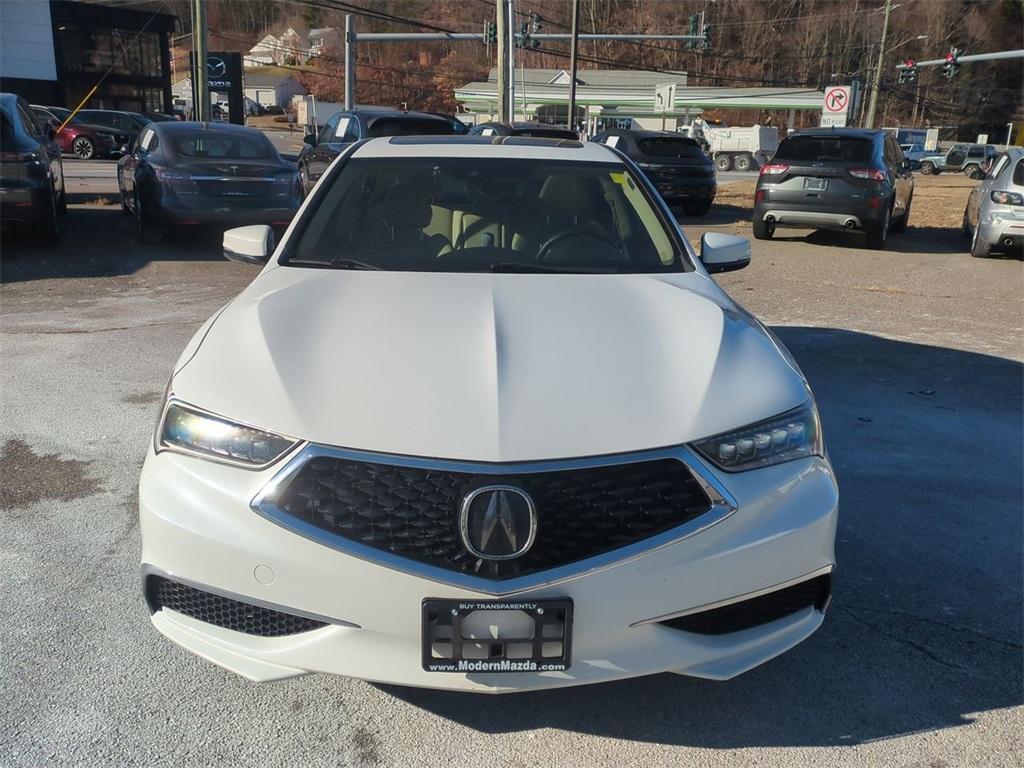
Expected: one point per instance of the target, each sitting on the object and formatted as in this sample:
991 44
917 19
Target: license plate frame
815 184
440 616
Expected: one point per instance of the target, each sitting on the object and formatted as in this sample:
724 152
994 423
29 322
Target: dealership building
55 52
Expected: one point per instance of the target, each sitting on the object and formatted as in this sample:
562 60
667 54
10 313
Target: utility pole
201 86
350 62
869 121
572 62
503 73
511 25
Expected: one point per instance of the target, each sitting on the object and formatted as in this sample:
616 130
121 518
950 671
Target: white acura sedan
483 422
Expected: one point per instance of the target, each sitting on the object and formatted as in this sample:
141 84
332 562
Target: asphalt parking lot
914 354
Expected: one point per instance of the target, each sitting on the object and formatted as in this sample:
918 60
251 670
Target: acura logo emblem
498 522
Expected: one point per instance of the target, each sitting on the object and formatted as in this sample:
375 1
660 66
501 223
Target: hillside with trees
781 44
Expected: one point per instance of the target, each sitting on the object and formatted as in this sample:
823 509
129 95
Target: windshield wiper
352 264
522 266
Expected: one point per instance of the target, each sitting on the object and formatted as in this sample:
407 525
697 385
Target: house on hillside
321 38
262 54
271 88
290 47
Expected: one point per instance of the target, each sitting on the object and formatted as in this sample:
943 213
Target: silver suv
994 217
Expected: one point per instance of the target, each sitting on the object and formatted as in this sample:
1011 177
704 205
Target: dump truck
731 147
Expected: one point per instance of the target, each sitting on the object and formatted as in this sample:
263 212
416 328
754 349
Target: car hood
487 367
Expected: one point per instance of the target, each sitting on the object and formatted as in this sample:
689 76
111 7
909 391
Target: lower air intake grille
757 610
223 611
414 513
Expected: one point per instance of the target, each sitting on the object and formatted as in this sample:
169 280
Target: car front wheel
927 168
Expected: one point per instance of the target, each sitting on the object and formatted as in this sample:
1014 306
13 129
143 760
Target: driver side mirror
724 253
309 138
249 245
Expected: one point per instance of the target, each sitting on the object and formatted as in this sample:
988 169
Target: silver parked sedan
994 217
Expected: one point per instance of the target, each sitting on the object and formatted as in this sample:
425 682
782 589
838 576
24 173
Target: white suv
484 422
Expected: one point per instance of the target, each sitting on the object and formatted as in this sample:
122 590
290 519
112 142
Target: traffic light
692 44
908 71
491 32
705 44
535 22
952 65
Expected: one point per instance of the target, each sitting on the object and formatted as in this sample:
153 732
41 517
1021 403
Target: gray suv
835 178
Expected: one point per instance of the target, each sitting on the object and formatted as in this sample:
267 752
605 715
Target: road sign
664 97
837 100
835 106
931 140
982 138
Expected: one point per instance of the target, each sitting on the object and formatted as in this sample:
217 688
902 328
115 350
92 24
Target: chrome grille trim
722 506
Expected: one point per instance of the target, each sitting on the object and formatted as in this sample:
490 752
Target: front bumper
197 527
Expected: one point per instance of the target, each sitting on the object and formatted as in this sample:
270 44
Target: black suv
675 165
835 178
362 123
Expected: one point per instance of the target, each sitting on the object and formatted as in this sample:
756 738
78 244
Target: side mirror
724 253
249 245
309 138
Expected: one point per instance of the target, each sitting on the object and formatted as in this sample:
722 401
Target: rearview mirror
724 253
309 138
249 245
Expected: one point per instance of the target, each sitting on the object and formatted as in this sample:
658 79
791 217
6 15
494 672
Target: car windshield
843 149
62 115
222 146
670 147
452 214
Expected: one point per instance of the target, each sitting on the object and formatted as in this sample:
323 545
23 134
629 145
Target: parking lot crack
113 329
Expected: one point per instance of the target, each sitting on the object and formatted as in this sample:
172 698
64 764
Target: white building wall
26 40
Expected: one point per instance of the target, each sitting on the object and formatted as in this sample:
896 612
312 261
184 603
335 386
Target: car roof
191 126
856 133
490 147
643 133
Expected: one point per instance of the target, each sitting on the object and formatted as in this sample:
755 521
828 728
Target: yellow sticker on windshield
618 177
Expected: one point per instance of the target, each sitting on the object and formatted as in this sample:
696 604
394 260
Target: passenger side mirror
724 253
309 138
249 245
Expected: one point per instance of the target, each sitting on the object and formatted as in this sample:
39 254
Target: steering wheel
565 234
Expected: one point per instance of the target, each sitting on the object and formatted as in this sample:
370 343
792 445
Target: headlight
189 430
791 435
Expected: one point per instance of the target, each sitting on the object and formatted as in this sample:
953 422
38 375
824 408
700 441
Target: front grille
757 610
414 512
223 611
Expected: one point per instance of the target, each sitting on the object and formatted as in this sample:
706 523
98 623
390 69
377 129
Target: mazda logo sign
498 522
215 67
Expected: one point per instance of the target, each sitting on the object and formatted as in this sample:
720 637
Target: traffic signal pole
994 56
571 123
350 62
